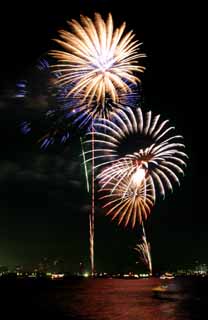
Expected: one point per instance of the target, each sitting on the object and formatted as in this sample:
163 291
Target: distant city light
57 276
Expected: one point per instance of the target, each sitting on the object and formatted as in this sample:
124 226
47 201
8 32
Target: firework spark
143 249
133 140
50 120
98 61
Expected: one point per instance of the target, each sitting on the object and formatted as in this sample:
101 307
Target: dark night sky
44 206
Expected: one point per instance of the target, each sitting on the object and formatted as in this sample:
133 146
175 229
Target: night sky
43 202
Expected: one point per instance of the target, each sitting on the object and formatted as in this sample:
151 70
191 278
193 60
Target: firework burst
140 141
98 61
129 199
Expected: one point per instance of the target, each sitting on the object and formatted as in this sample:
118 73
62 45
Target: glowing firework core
104 62
138 177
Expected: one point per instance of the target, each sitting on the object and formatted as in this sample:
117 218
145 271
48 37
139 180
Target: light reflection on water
105 299
126 300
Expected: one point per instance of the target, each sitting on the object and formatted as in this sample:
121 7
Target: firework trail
85 165
91 215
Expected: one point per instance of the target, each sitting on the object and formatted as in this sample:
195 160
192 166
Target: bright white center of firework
138 176
105 61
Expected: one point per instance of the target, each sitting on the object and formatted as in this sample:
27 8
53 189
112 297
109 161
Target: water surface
103 299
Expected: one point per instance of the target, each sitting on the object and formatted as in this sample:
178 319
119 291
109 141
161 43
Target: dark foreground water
103 299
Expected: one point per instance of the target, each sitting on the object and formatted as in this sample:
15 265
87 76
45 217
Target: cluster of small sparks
55 125
143 250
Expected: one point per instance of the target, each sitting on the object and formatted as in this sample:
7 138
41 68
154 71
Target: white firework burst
133 140
128 200
97 61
